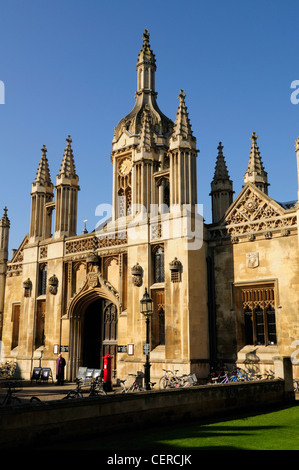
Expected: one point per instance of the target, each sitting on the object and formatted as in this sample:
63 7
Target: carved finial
145 37
182 95
220 148
5 220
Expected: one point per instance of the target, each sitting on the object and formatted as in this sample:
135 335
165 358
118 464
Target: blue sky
69 67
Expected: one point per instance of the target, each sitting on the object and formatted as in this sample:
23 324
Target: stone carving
27 287
53 284
137 274
252 260
93 243
93 280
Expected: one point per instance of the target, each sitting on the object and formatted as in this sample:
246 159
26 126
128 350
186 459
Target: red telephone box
107 374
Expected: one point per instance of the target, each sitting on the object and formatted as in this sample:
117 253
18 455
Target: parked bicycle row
11 398
239 375
171 379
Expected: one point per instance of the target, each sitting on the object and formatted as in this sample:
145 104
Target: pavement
44 391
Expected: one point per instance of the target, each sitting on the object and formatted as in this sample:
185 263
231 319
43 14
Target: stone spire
182 134
221 172
221 187
145 95
182 156
146 67
182 126
41 195
67 167
43 172
256 173
66 195
146 140
4 234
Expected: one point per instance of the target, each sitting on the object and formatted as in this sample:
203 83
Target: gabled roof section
250 205
18 255
254 214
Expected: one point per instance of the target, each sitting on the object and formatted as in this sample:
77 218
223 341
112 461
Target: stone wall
31 424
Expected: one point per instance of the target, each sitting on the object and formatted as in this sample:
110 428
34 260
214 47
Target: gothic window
271 326
248 326
158 255
166 194
40 324
110 322
43 280
15 325
162 327
124 202
158 319
259 315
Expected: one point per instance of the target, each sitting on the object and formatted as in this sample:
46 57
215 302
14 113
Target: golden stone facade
223 292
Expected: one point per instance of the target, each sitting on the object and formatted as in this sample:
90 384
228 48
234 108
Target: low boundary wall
57 420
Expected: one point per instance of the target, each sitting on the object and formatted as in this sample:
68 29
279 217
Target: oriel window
258 305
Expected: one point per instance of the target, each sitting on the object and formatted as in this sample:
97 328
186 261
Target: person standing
60 365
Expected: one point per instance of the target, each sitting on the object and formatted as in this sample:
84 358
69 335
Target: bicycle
187 380
10 397
96 388
76 393
169 380
134 386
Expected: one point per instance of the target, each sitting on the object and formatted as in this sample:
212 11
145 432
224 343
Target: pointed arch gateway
93 315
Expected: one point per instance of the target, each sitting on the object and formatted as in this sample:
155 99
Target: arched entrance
93 315
99 333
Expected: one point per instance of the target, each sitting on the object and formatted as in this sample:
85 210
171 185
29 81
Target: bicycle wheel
13 401
34 400
73 395
163 383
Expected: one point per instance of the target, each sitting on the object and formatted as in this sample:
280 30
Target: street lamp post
146 308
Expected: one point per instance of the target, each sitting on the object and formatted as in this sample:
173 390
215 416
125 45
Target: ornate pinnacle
221 172
5 220
68 164
182 124
255 162
43 172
